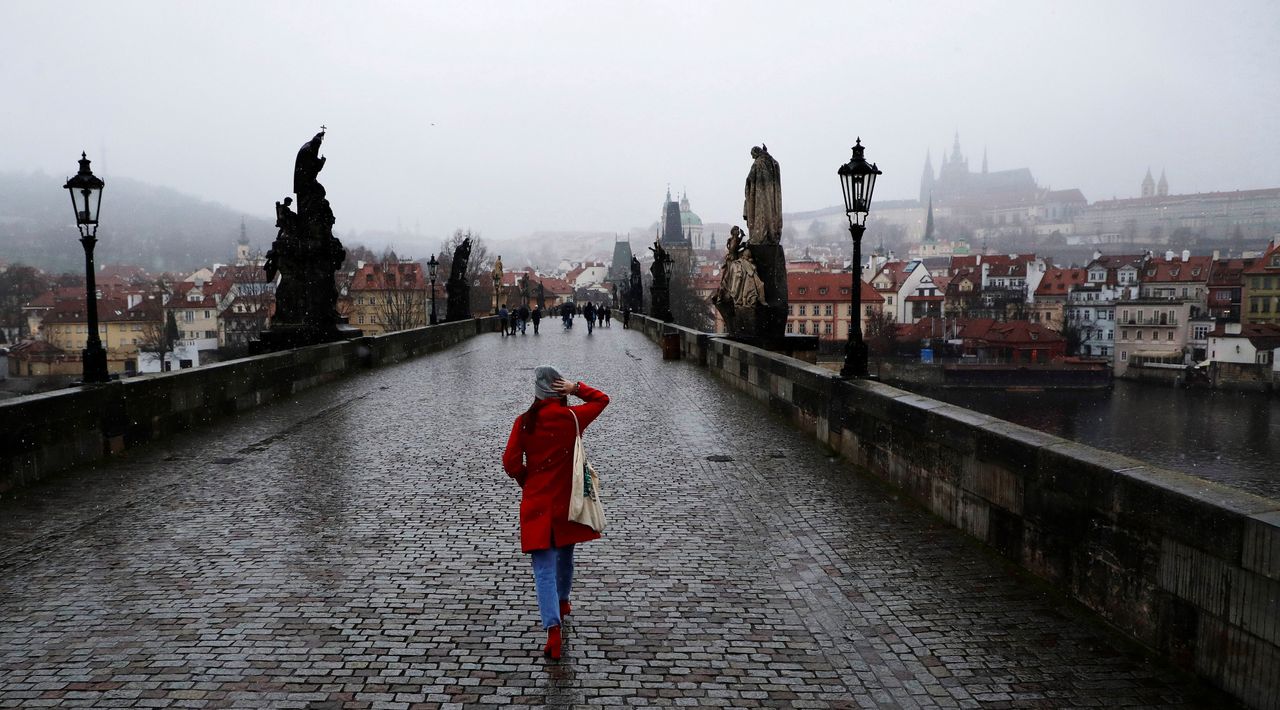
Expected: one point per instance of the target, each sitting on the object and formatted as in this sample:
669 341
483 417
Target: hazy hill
154 227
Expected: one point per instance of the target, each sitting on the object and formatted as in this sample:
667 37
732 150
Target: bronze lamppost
86 198
432 266
858 180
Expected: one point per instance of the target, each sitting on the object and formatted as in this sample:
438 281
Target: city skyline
574 117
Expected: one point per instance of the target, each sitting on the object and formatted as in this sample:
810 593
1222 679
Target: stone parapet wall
53 431
1187 567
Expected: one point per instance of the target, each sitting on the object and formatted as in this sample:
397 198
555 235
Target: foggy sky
515 117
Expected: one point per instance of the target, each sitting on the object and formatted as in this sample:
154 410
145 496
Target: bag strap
577 431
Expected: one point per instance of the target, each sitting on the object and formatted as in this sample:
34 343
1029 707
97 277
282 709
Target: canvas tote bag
584 503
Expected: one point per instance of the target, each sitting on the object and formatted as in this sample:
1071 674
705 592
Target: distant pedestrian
522 317
589 312
536 317
539 456
626 317
503 315
604 311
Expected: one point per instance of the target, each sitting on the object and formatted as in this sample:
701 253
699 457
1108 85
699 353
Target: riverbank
1230 437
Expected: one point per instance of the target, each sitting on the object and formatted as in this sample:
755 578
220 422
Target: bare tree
159 338
478 267
402 298
688 307
882 332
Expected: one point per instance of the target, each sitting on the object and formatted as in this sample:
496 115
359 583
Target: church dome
688 219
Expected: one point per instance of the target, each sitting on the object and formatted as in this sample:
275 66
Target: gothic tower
1148 185
926 178
928 225
1162 189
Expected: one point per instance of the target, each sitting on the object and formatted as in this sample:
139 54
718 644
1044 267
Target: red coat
542 463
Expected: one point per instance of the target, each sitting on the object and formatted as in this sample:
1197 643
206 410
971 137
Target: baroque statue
762 208
660 289
457 288
740 283
752 297
305 255
635 288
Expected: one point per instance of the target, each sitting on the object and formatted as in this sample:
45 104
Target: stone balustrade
1189 568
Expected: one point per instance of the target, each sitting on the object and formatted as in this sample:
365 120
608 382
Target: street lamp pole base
855 361
94 363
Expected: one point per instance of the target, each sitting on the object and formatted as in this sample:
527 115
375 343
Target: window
826 311
791 309
1170 334
1124 355
803 324
802 312
788 327
373 302
1139 335
826 328
822 290
802 290
360 320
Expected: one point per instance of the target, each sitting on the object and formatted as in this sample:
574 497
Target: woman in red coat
539 456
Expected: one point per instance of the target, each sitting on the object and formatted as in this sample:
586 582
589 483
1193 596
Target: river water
1229 437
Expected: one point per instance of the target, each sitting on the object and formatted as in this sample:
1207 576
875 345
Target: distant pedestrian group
518 319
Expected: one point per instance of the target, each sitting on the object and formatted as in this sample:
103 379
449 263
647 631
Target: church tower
242 246
926 178
1162 189
1148 185
929 238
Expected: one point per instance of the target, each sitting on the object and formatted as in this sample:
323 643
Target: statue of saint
762 208
497 270
740 283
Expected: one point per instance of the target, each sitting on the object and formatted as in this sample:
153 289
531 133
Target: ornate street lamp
86 198
432 266
858 180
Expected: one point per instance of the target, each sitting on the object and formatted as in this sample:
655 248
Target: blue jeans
553 577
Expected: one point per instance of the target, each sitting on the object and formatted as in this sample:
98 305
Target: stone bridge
355 546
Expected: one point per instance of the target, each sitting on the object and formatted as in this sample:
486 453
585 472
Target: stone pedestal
771 264
289 336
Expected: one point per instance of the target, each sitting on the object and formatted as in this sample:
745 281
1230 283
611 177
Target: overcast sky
521 116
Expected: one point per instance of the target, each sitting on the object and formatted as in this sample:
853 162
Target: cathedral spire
1148 185
956 157
927 178
928 225
1162 188
984 160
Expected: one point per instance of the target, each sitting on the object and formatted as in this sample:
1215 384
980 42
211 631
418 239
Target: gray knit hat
543 378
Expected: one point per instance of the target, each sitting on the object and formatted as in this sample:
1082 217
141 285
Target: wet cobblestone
358 548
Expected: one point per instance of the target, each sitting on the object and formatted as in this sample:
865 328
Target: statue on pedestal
635 289
660 290
457 288
305 255
740 283
753 290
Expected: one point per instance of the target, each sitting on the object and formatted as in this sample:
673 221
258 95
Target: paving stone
363 551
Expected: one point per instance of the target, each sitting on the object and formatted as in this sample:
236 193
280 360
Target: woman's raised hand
565 387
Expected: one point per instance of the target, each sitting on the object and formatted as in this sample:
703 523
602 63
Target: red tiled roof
1263 265
1263 336
1228 273
835 284
1060 282
1194 270
376 276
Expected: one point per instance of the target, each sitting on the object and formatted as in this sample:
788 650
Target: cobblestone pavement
358 548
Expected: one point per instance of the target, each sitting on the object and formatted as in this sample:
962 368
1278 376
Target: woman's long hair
529 419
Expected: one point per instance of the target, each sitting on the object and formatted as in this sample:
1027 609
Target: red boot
565 608
552 649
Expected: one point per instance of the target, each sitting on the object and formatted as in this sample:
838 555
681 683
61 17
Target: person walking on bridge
539 456
589 312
